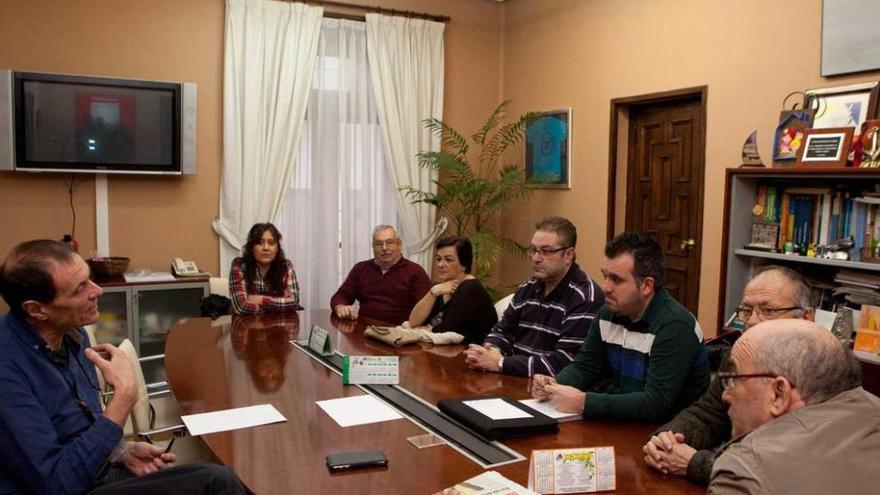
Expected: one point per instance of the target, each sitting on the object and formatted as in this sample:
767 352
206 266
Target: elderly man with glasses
386 286
801 422
547 320
686 445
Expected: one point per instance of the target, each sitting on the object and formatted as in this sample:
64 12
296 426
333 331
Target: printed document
232 419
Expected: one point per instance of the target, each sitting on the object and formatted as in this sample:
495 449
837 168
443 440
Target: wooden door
665 165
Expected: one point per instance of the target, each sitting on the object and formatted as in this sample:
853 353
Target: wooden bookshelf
741 186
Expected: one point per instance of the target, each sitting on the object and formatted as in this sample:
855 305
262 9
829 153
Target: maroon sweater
388 297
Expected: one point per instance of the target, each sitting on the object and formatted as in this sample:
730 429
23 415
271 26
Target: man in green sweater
645 349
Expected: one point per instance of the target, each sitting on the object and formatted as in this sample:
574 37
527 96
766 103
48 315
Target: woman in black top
459 303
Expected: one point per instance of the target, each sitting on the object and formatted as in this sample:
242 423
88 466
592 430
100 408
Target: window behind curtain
339 189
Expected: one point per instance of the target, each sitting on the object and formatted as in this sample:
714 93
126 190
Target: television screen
71 122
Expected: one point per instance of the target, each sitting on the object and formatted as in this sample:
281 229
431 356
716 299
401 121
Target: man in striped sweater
648 345
548 318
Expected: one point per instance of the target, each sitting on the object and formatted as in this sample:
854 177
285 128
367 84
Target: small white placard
370 369
232 419
496 409
358 410
319 341
589 469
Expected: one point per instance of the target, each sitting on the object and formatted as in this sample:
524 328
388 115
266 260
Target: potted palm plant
476 187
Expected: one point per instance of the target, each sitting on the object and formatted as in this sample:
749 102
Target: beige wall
153 219
542 53
583 53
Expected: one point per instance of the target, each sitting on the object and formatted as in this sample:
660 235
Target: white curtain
406 65
340 188
270 50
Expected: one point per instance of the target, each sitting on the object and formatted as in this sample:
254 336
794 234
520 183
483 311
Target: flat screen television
64 123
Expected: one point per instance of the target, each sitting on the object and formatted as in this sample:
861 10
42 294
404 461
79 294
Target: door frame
620 106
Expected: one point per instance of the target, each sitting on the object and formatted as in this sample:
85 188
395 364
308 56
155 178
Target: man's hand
346 312
482 357
538 383
117 368
118 372
565 398
143 458
446 288
255 299
667 452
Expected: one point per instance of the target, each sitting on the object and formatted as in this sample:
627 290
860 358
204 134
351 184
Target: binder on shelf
528 422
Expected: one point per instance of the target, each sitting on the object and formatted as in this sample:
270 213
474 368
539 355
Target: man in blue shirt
55 437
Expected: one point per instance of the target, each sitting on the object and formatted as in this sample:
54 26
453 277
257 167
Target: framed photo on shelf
789 135
548 149
825 147
843 106
764 236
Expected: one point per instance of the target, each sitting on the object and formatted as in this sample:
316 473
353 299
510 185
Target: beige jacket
827 448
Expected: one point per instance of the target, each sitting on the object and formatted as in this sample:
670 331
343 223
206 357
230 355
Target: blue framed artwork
548 149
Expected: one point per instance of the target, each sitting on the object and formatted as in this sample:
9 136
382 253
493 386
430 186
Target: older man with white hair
686 445
386 286
801 421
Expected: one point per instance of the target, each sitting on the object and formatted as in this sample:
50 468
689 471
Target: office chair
502 304
141 423
219 286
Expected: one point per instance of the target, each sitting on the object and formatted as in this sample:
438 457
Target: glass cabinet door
158 308
112 324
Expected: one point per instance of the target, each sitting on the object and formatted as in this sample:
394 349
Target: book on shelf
820 216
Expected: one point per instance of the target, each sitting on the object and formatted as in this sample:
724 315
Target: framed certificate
825 147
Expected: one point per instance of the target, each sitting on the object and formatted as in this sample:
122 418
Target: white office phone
183 268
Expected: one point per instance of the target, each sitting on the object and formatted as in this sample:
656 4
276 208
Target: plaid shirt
238 291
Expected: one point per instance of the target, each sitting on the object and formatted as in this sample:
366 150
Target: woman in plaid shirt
262 280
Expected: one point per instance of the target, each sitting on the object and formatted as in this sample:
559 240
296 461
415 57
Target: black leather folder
492 429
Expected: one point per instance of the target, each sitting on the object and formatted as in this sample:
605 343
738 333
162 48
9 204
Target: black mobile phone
354 460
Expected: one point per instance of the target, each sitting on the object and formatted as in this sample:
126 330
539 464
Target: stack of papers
489 483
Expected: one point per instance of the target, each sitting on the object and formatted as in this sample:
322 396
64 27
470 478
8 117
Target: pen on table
168 447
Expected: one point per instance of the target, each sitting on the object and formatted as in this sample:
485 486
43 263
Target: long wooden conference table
227 363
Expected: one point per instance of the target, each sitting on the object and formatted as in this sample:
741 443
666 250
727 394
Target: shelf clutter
818 221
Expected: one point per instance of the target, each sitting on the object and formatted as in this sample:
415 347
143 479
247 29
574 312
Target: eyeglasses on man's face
545 251
387 242
729 377
744 313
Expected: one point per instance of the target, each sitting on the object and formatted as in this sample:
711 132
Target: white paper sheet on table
232 419
358 410
547 409
496 409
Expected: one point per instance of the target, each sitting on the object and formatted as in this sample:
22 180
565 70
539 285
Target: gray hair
380 228
811 358
802 294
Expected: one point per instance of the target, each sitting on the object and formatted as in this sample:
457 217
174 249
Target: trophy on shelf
750 155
